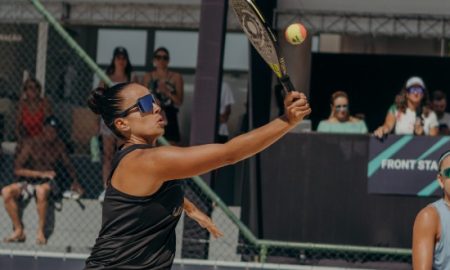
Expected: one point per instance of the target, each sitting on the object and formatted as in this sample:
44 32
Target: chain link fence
36 50
62 83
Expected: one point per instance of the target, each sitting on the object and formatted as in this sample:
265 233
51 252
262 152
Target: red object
33 122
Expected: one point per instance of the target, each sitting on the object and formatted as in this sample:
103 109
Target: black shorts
28 187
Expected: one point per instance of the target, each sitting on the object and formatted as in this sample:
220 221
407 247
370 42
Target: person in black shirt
143 204
168 87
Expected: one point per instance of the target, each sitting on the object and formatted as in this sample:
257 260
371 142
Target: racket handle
287 84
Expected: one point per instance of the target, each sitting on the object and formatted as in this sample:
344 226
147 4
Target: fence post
41 54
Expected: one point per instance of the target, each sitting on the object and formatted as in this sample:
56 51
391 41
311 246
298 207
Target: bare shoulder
427 217
354 119
152 154
331 120
150 161
176 75
138 160
427 225
136 174
147 76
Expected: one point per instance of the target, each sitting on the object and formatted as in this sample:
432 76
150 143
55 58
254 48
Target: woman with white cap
411 113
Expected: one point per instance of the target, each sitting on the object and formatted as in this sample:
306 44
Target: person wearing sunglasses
143 204
431 231
411 113
439 103
32 111
168 87
340 120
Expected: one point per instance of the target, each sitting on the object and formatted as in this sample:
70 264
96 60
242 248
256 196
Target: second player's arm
425 234
201 218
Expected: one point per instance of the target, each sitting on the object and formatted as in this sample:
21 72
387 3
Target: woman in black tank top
142 205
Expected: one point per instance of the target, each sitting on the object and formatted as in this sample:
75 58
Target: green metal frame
262 245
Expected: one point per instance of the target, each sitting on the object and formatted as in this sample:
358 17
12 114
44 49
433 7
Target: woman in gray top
431 234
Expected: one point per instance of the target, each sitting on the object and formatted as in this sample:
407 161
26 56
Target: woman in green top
340 120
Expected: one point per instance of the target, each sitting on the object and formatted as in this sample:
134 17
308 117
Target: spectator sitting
32 110
340 120
35 167
439 104
411 113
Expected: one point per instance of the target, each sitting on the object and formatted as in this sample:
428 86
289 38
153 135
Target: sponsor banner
405 165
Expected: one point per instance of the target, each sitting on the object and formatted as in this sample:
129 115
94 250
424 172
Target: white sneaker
70 194
101 197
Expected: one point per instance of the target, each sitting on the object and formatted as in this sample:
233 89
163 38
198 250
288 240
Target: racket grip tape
287 84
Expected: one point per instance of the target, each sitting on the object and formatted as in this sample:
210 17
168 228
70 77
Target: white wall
135 41
183 48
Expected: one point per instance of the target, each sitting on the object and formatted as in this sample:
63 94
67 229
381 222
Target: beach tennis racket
262 38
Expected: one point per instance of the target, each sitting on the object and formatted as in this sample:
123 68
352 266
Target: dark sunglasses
415 90
162 57
445 172
341 107
144 104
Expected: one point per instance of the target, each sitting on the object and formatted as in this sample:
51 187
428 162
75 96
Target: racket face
257 31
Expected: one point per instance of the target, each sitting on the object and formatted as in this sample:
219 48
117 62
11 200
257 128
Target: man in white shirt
226 100
439 103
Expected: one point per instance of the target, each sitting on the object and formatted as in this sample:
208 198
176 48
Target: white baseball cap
415 81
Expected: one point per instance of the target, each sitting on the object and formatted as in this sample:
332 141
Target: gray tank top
441 258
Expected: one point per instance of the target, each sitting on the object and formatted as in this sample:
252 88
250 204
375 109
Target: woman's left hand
205 222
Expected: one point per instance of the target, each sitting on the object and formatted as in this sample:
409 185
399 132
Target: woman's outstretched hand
205 222
296 107
201 218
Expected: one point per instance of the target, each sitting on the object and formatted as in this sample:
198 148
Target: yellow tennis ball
295 33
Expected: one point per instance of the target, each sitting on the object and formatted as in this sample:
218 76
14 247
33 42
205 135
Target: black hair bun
95 100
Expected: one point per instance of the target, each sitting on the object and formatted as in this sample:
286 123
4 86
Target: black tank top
137 232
